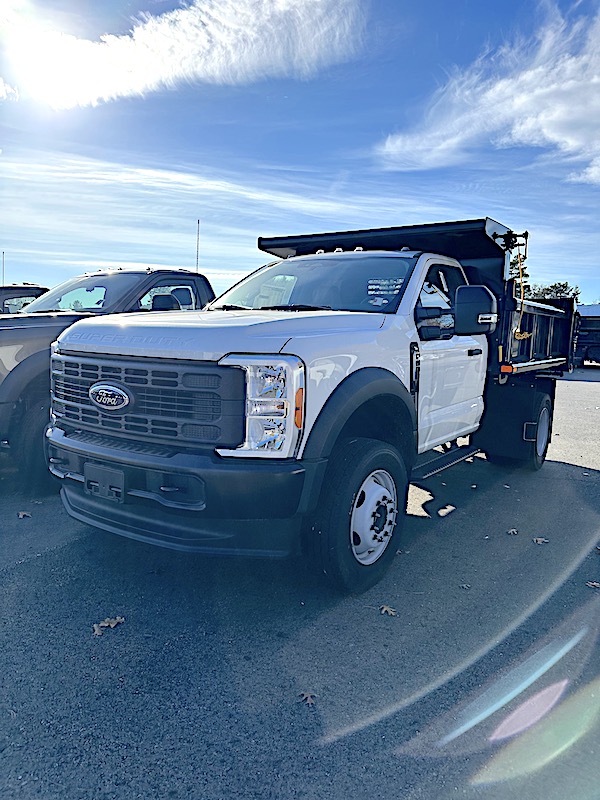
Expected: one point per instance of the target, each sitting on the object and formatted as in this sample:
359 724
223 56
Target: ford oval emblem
107 397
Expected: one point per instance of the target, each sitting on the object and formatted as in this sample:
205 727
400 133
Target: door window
15 304
167 295
438 291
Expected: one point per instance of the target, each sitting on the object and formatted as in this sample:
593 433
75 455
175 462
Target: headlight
274 405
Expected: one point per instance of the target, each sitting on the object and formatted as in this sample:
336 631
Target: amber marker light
506 368
299 408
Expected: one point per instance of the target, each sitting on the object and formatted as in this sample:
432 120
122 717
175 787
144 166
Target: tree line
541 291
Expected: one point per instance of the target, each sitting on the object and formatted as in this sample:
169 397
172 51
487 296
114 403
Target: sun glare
51 66
48 66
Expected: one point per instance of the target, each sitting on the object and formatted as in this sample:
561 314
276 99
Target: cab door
452 368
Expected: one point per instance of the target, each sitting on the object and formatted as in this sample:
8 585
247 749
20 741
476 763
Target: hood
208 335
40 319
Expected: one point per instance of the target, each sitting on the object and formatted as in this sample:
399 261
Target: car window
91 293
182 296
82 298
14 304
440 285
353 282
438 291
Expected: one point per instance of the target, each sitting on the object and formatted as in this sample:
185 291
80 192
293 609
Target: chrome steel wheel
373 517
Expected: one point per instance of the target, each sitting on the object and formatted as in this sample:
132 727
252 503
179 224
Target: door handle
477 351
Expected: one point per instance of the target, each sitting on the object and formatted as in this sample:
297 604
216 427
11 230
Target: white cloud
543 93
65 214
213 41
7 91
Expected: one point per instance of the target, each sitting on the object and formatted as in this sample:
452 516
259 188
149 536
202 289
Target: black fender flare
355 390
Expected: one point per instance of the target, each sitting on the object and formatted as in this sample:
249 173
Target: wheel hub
373 517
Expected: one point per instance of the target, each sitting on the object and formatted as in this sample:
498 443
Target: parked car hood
40 319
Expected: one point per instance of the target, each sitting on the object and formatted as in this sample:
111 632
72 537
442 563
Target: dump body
588 334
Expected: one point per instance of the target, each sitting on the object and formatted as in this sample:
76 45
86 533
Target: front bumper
185 501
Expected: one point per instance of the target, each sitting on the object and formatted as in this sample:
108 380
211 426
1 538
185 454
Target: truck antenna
197 244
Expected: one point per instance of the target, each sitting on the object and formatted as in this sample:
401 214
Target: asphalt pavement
197 692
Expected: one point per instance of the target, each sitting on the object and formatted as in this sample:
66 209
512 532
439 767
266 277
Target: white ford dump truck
292 412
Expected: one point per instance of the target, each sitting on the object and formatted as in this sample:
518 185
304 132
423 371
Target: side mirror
423 315
475 311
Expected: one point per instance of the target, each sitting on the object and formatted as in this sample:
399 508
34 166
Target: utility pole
197 245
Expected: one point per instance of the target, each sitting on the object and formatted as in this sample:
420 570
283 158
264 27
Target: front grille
186 404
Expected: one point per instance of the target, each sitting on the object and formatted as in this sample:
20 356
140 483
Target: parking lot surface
197 689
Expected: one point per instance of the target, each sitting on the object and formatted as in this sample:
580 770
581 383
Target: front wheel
360 513
31 448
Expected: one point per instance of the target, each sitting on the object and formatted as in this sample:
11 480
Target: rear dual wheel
361 511
536 450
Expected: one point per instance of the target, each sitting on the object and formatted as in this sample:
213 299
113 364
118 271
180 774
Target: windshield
344 282
95 293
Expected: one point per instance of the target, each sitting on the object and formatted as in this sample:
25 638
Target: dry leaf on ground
391 612
443 512
512 532
593 584
23 514
308 698
109 622
540 540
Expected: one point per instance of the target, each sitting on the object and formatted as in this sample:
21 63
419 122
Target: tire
31 448
543 418
535 453
352 539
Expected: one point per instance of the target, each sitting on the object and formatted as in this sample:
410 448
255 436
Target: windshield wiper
295 307
228 307
52 311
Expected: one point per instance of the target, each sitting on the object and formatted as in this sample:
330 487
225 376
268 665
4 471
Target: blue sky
122 123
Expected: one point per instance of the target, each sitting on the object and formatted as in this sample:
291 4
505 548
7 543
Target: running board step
441 461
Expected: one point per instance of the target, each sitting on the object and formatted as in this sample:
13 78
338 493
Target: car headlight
274 405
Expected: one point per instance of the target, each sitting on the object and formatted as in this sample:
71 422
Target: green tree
543 291
514 269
